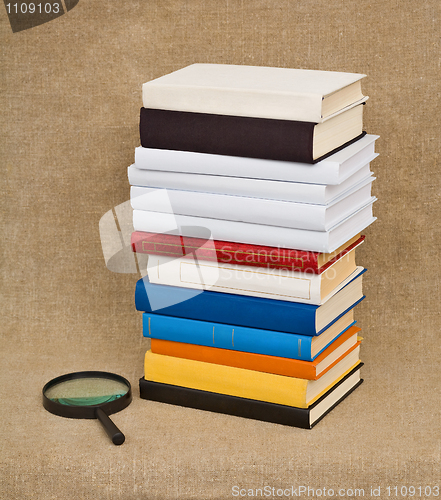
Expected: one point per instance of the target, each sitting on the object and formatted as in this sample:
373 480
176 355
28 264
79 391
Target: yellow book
245 383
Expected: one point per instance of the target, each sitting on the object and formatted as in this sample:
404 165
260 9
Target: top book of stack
252 111
255 91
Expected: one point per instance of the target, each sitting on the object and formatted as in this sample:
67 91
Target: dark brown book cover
263 138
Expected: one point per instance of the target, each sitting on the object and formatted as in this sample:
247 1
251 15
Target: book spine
238 382
224 251
240 310
276 284
250 361
193 162
254 234
224 101
243 136
287 345
235 186
222 403
238 208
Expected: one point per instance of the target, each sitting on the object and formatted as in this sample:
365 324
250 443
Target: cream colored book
255 91
279 284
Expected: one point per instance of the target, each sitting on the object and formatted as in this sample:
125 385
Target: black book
304 418
245 136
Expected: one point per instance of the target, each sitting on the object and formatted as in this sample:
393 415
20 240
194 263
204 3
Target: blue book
244 310
237 338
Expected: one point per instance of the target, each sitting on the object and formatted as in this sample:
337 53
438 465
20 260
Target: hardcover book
283 140
240 338
334 170
253 210
304 418
279 284
244 383
256 91
256 234
318 194
244 310
171 245
311 370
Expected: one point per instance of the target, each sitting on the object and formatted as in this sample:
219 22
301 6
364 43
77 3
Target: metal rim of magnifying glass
87 411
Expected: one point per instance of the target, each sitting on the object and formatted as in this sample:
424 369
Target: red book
239 253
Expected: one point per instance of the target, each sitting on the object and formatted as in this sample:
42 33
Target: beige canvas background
70 98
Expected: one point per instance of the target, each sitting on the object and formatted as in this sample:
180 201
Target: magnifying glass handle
112 430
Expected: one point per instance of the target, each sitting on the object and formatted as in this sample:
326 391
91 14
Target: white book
255 91
333 170
279 284
253 210
317 194
256 234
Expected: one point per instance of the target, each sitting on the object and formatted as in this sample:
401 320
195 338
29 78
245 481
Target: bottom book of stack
304 418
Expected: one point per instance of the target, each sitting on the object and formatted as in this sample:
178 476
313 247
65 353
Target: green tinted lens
86 391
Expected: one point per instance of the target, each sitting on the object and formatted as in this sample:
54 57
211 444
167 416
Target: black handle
112 430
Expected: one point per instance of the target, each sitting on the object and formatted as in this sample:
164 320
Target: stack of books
250 192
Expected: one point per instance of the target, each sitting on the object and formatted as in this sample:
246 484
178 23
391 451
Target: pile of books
250 191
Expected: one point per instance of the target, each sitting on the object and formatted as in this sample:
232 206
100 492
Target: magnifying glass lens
86 391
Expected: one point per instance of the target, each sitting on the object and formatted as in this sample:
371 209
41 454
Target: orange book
310 370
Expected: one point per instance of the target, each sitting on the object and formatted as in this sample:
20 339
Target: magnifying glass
89 394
